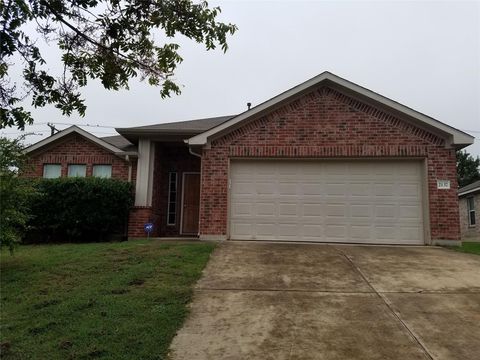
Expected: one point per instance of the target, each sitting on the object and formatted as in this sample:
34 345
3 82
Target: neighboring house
469 205
325 161
76 152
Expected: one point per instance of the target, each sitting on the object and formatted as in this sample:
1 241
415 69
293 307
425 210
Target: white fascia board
80 131
468 191
457 136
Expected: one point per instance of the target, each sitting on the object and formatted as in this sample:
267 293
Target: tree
109 40
15 192
467 168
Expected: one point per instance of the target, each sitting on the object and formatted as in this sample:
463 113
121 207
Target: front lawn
96 301
469 247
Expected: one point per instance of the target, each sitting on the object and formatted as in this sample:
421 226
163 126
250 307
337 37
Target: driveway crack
387 303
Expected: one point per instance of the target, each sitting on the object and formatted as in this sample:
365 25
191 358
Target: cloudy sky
423 54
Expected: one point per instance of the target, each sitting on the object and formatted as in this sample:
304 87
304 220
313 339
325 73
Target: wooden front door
190 203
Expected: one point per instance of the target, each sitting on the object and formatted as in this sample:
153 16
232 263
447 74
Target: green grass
469 247
96 301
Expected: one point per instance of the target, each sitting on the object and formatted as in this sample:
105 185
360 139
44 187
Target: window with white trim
172 199
103 171
471 211
77 170
52 171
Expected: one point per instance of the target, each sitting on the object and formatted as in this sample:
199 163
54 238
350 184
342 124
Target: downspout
191 151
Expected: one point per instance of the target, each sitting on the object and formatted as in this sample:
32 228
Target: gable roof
188 128
120 142
470 188
454 136
75 129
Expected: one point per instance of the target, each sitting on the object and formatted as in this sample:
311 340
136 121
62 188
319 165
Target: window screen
52 171
103 171
77 170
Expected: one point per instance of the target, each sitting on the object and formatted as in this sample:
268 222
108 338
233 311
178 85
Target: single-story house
469 200
326 161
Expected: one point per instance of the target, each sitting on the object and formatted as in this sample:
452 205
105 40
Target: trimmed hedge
79 210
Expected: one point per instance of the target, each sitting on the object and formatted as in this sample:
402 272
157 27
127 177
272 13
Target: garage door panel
360 211
288 209
360 233
266 209
410 212
309 189
333 201
241 209
335 210
361 189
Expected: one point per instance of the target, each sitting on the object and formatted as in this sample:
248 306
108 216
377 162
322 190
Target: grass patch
468 247
96 301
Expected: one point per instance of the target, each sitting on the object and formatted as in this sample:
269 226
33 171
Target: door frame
183 198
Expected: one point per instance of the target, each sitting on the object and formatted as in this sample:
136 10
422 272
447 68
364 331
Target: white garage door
328 201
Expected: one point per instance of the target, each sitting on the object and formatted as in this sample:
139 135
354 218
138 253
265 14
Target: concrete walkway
308 301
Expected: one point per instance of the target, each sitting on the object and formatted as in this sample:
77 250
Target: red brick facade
170 158
75 149
139 216
327 124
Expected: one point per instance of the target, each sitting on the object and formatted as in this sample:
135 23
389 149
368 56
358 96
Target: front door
190 203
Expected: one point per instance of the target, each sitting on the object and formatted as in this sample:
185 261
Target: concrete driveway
308 301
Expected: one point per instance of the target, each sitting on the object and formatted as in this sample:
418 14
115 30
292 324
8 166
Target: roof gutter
469 191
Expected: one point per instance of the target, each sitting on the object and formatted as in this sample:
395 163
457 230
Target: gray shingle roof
180 127
470 187
120 142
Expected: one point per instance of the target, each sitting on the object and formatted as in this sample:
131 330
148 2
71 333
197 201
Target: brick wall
469 232
328 124
171 158
139 216
75 149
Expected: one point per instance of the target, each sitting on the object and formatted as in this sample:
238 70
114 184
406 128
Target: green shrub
79 209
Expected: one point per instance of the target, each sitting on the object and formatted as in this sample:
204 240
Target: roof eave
70 130
477 189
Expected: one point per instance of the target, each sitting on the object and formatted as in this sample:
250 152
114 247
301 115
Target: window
52 171
172 198
471 211
77 170
103 171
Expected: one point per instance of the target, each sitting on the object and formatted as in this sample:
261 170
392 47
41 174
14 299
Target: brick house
76 152
469 201
325 161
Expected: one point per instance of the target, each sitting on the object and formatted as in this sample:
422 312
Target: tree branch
96 43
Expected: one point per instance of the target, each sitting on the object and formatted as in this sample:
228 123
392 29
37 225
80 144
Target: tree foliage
109 40
15 193
467 168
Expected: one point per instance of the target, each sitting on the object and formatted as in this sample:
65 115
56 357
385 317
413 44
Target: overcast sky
425 55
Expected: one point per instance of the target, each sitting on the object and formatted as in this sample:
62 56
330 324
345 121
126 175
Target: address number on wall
443 184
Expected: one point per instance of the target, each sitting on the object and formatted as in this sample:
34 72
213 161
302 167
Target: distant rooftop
120 142
475 186
183 127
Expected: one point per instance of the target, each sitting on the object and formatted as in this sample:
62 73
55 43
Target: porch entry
190 203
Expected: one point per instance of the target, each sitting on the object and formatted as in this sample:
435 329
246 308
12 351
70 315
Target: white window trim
176 197
470 211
